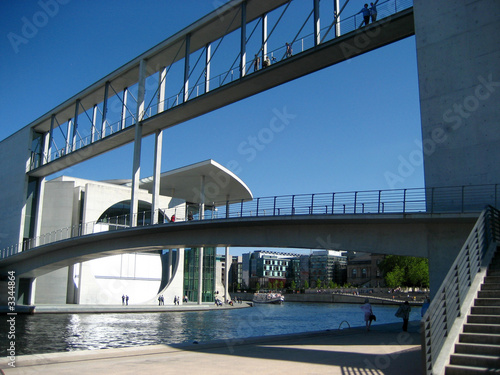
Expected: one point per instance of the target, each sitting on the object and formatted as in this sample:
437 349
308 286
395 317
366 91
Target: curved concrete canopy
186 183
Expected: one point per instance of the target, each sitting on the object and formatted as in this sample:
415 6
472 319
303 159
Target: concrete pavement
384 350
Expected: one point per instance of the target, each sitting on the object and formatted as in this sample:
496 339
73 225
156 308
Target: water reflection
45 333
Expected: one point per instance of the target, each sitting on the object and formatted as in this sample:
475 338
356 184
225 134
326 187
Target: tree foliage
405 271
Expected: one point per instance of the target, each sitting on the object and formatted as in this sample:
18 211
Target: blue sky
350 125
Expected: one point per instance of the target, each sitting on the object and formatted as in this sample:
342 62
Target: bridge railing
448 301
452 199
346 25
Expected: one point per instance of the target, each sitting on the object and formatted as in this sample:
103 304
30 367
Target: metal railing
452 199
448 301
348 24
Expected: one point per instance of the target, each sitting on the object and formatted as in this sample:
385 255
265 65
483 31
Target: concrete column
336 7
264 37
200 275
186 68
48 140
243 50
317 28
162 82
104 110
136 172
156 176
202 199
75 126
208 58
39 210
226 283
169 269
69 143
124 108
94 122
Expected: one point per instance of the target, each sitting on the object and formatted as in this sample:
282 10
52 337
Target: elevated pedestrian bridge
202 81
413 222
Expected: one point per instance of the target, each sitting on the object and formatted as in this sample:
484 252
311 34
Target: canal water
48 333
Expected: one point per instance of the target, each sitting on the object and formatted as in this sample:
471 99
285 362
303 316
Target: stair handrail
448 302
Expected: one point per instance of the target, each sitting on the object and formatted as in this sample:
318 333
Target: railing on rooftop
304 43
453 199
447 303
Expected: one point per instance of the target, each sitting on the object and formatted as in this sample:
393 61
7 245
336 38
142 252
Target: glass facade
191 274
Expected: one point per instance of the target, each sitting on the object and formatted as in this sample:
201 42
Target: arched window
363 273
354 272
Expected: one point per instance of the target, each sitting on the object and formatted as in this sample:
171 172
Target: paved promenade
384 350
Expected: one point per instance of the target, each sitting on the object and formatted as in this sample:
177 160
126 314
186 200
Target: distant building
363 270
327 265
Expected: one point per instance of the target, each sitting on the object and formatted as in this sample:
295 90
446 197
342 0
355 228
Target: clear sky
351 125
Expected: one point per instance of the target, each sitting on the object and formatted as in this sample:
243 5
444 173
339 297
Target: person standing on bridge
256 63
288 49
366 15
373 11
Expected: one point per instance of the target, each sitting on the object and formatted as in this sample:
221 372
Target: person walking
404 312
366 15
367 309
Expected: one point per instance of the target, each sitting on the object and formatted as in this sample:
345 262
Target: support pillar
155 207
243 54
186 69
136 172
201 208
48 141
208 58
200 275
162 82
104 110
336 15
124 108
69 142
75 126
94 123
317 28
264 37
226 282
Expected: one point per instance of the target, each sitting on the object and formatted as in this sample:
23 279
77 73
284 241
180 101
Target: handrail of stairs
453 297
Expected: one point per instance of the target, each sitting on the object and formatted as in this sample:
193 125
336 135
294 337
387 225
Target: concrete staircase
478 348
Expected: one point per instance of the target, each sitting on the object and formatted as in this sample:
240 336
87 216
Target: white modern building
94 206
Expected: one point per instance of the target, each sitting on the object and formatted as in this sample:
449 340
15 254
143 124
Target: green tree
318 283
306 284
281 285
405 271
293 285
257 286
331 284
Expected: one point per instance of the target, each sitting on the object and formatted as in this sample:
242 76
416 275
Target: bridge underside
436 236
376 35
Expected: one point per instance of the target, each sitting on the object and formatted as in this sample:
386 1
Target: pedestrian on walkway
366 15
123 299
404 312
373 11
126 300
367 309
288 50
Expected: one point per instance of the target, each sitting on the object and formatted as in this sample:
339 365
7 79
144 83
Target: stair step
493 272
470 348
490 286
483 319
479 338
475 360
492 279
485 310
468 370
487 302
488 294
482 328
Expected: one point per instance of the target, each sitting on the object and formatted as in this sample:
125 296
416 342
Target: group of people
124 300
161 300
403 312
369 13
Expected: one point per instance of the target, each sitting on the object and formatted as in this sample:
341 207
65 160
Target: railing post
355 200
312 204
463 197
293 204
333 203
241 213
404 200
379 196
274 207
258 199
